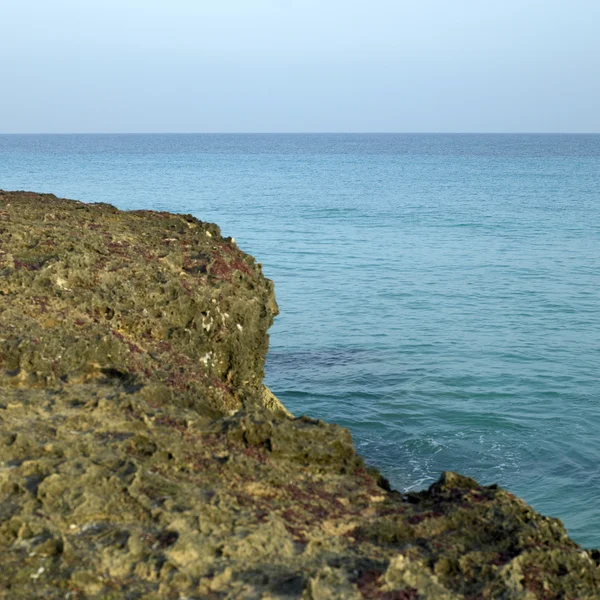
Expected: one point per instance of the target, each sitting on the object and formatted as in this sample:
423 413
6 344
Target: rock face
141 456
148 297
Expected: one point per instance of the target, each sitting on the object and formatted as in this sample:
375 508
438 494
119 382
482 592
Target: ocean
439 294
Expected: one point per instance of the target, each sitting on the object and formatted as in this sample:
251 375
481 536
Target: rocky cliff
141 456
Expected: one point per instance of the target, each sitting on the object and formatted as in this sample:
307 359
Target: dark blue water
439 294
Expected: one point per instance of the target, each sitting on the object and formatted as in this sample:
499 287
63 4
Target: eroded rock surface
141 457
154 298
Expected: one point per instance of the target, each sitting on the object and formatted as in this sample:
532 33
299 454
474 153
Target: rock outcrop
141 456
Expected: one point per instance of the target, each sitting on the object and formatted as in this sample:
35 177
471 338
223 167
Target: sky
129 66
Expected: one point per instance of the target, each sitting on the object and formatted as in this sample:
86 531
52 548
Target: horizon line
306 133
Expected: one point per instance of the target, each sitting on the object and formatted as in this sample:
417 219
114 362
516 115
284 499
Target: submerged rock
141 456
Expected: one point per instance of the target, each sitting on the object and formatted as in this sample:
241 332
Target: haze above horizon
300 67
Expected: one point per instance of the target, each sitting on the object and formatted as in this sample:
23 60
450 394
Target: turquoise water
439 294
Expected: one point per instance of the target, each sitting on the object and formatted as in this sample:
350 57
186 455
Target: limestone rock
142 457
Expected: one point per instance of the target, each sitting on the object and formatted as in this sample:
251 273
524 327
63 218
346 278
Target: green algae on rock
141 456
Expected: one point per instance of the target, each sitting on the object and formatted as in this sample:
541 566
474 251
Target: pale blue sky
299 65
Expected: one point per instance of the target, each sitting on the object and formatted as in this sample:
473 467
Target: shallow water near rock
439 295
